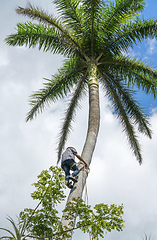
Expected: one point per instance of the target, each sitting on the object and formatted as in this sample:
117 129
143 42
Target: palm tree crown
94 36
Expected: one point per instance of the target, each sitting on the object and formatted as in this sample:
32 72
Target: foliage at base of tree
44 221
102 218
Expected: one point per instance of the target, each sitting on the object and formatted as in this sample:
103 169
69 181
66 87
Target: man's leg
66 169
76 170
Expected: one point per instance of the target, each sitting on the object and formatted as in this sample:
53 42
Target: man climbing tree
94 36
68 162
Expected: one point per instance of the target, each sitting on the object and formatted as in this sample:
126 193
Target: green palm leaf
70 112
120 110
57 87
133 72
45 37
56 22
71 14
130 104
130 34
120 12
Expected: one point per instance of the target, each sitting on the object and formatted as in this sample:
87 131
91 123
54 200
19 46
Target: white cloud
3 58
152 46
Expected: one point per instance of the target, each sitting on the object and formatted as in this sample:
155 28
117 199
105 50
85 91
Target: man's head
72 148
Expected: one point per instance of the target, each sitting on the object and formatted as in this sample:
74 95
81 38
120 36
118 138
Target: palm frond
91 14
130 34
70 112
120 110
70 14
44 37
120 12
130 105
55 88
91 9
40 15
133 72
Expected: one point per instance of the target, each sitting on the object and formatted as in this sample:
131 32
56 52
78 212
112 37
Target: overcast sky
27 148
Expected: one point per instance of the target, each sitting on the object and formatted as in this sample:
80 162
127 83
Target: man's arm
81 159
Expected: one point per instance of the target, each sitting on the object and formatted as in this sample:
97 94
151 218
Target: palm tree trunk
91 138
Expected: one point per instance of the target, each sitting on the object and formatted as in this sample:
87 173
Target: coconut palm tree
94 36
